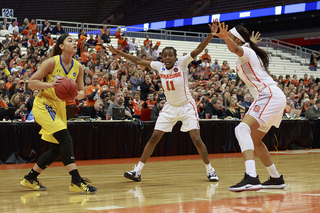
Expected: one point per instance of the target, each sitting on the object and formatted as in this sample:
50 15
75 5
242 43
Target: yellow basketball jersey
59 71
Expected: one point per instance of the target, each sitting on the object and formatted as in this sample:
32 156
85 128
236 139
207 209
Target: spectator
150 103
33 27
51 42
314 111
123 42
232 108
135 80
215 65
296 103
4 31
119 102
13 27
93 91
46 27
15 102
133 45
157 108
91 40
137 103
58 30
9 81
3 90
313 61
305 105
247 100
118 32
94 111
5 23
105 37
146 87
215 108
147 41
4 72
206 55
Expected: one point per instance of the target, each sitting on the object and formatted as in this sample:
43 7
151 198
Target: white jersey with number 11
175 81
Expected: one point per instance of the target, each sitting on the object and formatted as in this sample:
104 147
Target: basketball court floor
174 184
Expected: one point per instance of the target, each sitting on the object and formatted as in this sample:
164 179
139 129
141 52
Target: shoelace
38 182
85 180
212 173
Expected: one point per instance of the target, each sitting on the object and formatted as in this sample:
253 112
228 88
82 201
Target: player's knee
66 147
243 135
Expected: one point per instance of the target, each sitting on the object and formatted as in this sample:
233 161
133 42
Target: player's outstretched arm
132 58
46 67
204 43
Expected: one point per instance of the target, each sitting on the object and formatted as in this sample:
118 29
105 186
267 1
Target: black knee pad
49 157
66 147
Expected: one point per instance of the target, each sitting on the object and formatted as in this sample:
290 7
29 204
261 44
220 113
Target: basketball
67 89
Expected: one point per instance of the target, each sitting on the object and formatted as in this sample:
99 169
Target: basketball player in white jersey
180 104
264 112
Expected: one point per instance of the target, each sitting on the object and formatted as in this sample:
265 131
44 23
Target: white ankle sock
273 171
251 168
140 165
208 167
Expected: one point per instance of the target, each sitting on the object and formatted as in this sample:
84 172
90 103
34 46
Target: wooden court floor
174 184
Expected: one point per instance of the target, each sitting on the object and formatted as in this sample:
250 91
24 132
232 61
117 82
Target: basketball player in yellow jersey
50 113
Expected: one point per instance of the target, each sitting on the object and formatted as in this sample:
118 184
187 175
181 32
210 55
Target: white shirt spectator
133 46
13 28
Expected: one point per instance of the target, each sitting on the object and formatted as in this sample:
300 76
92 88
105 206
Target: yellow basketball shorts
50 115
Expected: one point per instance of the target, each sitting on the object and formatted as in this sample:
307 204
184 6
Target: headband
63 37
236 34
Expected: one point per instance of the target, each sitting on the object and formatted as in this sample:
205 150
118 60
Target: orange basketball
67 89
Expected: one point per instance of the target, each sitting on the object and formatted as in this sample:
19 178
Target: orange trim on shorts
195 113
267 102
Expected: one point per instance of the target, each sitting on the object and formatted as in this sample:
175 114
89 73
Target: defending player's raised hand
214 27
223 31
255 38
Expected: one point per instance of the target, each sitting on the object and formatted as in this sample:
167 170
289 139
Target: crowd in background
113 81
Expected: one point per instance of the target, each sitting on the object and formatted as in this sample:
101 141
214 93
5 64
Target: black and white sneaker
248 183
135 174
212 176
274 183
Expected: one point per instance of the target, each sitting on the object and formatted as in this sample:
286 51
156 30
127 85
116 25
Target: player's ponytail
263 55
56 48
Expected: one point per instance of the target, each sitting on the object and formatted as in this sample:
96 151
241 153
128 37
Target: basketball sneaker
212 176
32 184
274 183
248 183
82 186
135 174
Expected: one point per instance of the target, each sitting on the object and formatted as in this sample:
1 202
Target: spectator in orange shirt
99 46
225 66
305 80
93 91
147 41
10 82
15 35
81 40
51 42
33 27
206 55
149 103
118 32
123 42
85 55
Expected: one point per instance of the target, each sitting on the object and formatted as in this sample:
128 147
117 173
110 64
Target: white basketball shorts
268 108
169 115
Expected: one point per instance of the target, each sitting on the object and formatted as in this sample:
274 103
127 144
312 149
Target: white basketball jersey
252 72
175 81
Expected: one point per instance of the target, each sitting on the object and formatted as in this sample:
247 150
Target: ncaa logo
163 69
175 69
74 74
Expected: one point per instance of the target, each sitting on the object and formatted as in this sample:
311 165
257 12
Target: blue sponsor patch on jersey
163 69
74 74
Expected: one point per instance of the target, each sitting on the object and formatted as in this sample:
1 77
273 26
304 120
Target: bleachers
279 65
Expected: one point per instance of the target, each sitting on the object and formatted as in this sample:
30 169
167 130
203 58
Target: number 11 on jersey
170 85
